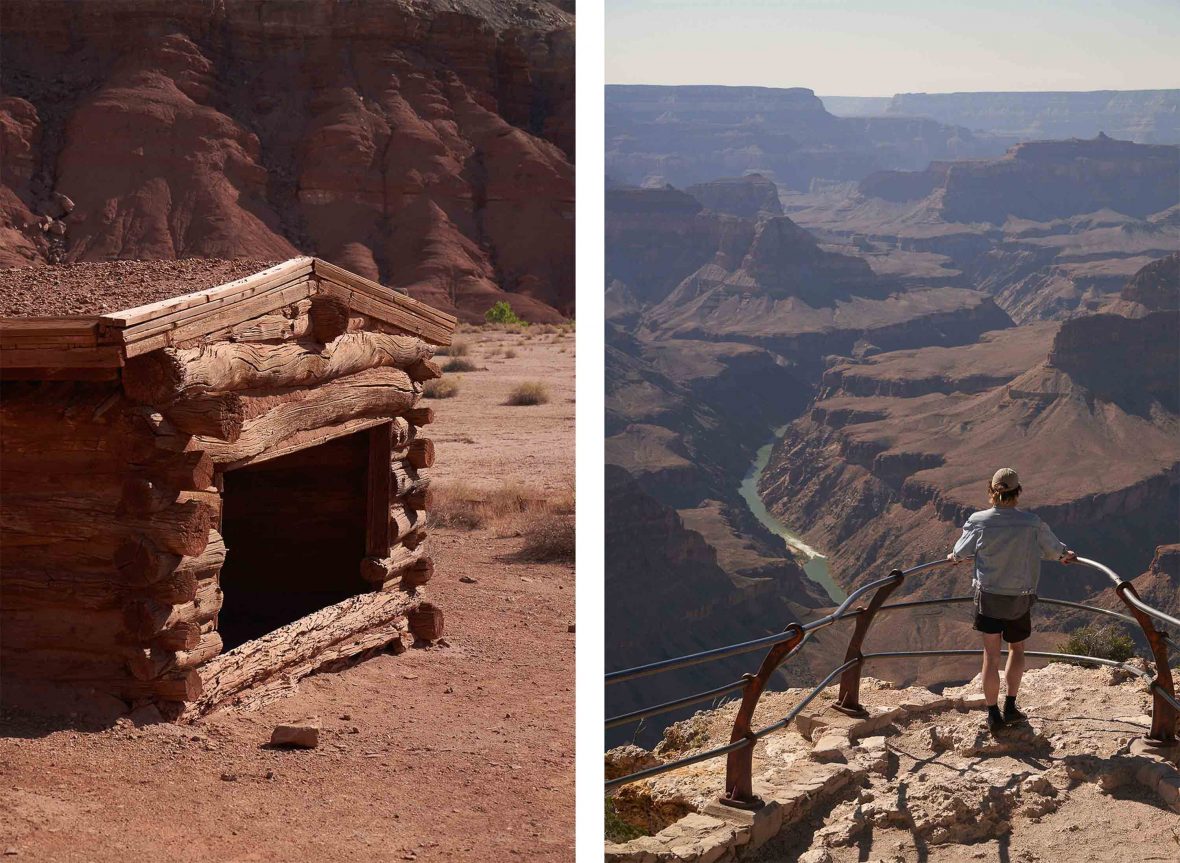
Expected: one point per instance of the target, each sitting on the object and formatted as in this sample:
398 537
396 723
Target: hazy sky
882 47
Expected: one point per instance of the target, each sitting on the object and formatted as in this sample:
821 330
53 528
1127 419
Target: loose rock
304 734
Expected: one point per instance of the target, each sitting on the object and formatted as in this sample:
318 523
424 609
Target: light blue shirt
1009 545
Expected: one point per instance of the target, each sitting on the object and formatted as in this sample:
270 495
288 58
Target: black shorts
1013 631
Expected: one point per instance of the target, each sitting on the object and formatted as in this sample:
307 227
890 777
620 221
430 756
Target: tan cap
1005 479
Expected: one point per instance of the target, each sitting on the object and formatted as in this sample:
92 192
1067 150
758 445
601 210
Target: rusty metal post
848 701
1163 714
739 765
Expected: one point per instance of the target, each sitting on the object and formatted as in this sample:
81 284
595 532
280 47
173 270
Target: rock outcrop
750 196
426 145
1157 285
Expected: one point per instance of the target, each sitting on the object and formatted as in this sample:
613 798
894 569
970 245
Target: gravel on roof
97 288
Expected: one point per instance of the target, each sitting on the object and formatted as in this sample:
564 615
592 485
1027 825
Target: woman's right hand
955 561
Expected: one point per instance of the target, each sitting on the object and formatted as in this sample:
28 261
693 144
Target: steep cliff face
427 145
1055 179
656 237
1143 116
693 134
1147 351
1157 285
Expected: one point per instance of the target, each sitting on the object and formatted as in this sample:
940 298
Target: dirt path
462 752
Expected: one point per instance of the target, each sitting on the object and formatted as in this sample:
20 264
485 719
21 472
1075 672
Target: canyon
426 145
693 134
899 336
1142 116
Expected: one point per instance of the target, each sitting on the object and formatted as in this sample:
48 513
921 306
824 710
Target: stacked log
99 531
110 506
398 472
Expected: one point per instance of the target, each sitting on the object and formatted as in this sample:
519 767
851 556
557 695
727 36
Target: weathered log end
419 416
420 452
328 316
140 563
426 622
154 378
418 573
215 415
424 370
420 498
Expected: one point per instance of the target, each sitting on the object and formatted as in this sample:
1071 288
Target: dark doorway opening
294 529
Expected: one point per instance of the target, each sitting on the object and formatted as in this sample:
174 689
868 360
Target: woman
1008 544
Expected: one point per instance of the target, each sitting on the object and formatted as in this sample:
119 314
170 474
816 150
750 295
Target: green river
817 564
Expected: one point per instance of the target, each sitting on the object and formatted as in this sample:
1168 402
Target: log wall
111 506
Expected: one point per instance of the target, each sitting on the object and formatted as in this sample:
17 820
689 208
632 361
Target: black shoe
1012 714
995 721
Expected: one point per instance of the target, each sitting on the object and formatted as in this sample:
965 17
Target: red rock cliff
427 145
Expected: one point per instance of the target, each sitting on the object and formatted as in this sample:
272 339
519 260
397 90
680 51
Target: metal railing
739 752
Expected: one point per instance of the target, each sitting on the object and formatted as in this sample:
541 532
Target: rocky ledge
919 778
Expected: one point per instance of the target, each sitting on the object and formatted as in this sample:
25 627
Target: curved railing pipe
1164 714
782 646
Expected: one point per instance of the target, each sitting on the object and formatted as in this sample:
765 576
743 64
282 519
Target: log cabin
208 496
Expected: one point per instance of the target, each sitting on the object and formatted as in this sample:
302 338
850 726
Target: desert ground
459 752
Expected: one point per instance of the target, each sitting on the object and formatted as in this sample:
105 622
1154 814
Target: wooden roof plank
388 295
62 357
107 340
236 289
217 318
403 319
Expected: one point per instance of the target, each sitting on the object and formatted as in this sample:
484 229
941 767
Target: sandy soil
463 752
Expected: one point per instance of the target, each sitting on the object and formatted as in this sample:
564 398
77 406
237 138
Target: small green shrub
440 388
618 830
501 313
1103 642
531 393
459 364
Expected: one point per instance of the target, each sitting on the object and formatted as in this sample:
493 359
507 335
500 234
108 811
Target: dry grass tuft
468 506
457 348
509 354
440 388
459 364
529 393
549 538
512 509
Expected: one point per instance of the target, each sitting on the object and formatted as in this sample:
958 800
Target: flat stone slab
304 734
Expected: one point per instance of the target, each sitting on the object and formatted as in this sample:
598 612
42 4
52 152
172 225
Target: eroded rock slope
426 145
